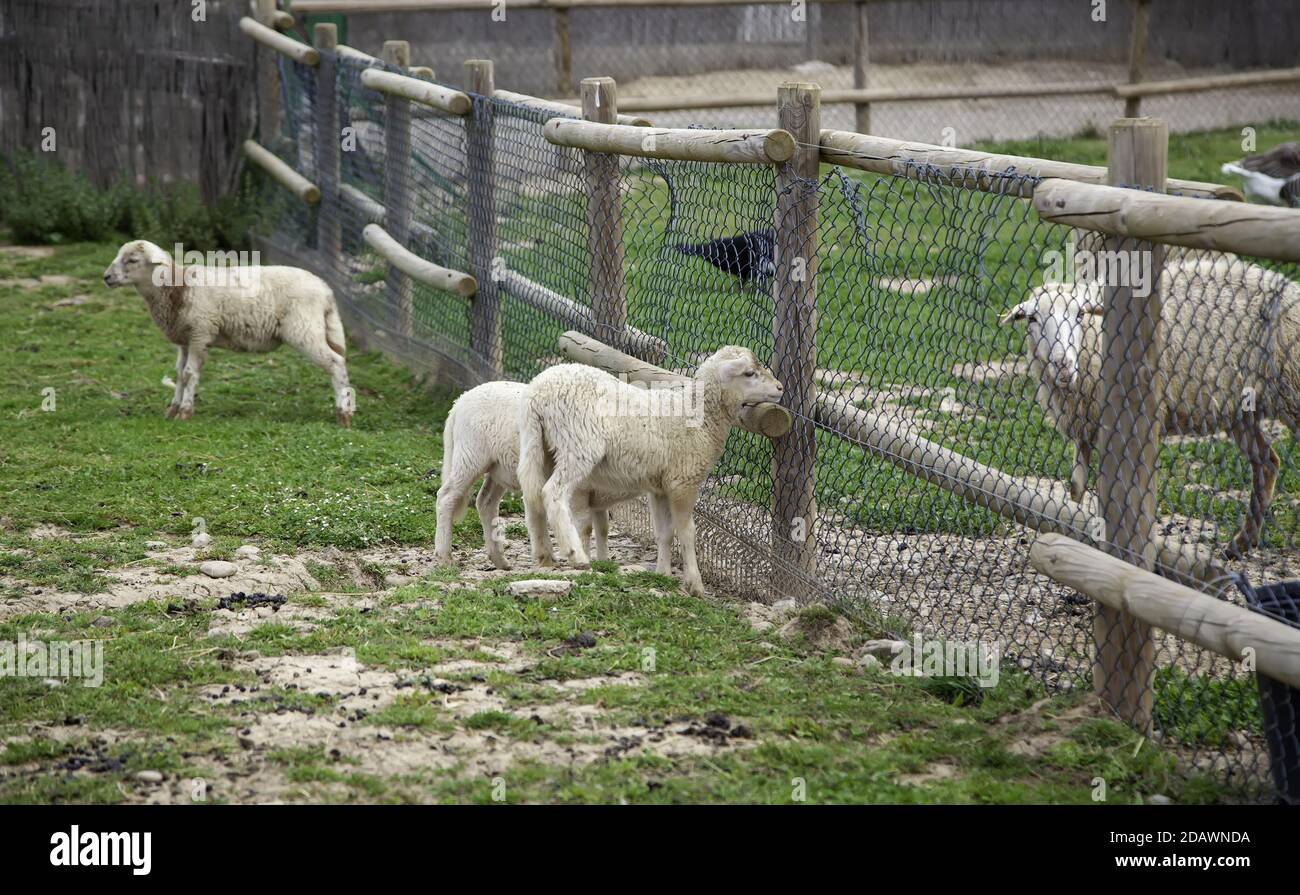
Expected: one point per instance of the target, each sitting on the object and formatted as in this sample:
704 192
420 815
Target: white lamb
1230 358
611 436
242 308
481 438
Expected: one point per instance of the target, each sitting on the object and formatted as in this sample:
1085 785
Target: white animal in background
1230 358
248 308
611 436
481 439
1272 177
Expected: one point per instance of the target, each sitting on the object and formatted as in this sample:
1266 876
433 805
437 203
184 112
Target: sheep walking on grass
241 308
481 439
1230 358
611 436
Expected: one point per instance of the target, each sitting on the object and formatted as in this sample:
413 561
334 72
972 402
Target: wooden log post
604 219
563 53
861 57
329 234
794 346
398 186
1137 54
485 314
1129 437
268 82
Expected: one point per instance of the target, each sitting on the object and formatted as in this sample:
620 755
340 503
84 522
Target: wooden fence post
563 53
1137 54
1129 438
329 241
861 63
398 186
485 313
794 348
268 82
604 220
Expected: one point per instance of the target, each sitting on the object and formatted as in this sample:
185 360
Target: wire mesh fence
959 400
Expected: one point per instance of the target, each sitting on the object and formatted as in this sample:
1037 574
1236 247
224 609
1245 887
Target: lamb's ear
1021 311
1092 304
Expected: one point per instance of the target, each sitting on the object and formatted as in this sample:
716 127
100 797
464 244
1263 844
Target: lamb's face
1054 321
748 381
135 264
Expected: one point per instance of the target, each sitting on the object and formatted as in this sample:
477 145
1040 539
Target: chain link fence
957 384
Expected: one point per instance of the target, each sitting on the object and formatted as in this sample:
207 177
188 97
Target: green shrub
41 201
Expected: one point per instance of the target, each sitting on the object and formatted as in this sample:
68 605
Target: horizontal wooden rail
555 107
346 52
869 94
881 155
763 146
281 173
1222 226
433 95
769 420
645 346
1209 82
374 212
1221 627
283 44
1020 500
363 6
415 267
282 21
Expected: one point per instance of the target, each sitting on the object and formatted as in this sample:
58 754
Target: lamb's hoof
578 559
344 418
185 413
498 561
695 588
544 562
172 410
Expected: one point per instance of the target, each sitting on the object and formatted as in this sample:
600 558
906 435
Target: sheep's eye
750 374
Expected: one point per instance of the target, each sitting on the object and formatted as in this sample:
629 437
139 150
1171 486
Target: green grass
264 461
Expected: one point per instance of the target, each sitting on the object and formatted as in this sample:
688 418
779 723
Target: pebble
156 545
201 540
218 568
248 551
785 606
103 621
149 776
540 587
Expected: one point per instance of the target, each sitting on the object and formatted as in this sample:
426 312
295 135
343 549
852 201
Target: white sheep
1230 333
250 308
611 436
481 438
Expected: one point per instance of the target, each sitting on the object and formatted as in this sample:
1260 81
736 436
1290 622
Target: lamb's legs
1264 464
599 521
453 500
683 510
558 496
489 512
532 481
174 408
661 515
1079 474
195 355
322 355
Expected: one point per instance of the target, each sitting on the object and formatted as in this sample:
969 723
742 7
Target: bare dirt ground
971 120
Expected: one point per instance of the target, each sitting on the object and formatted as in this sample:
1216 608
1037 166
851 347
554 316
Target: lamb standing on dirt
612 436
1229 330
241 308
481 438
